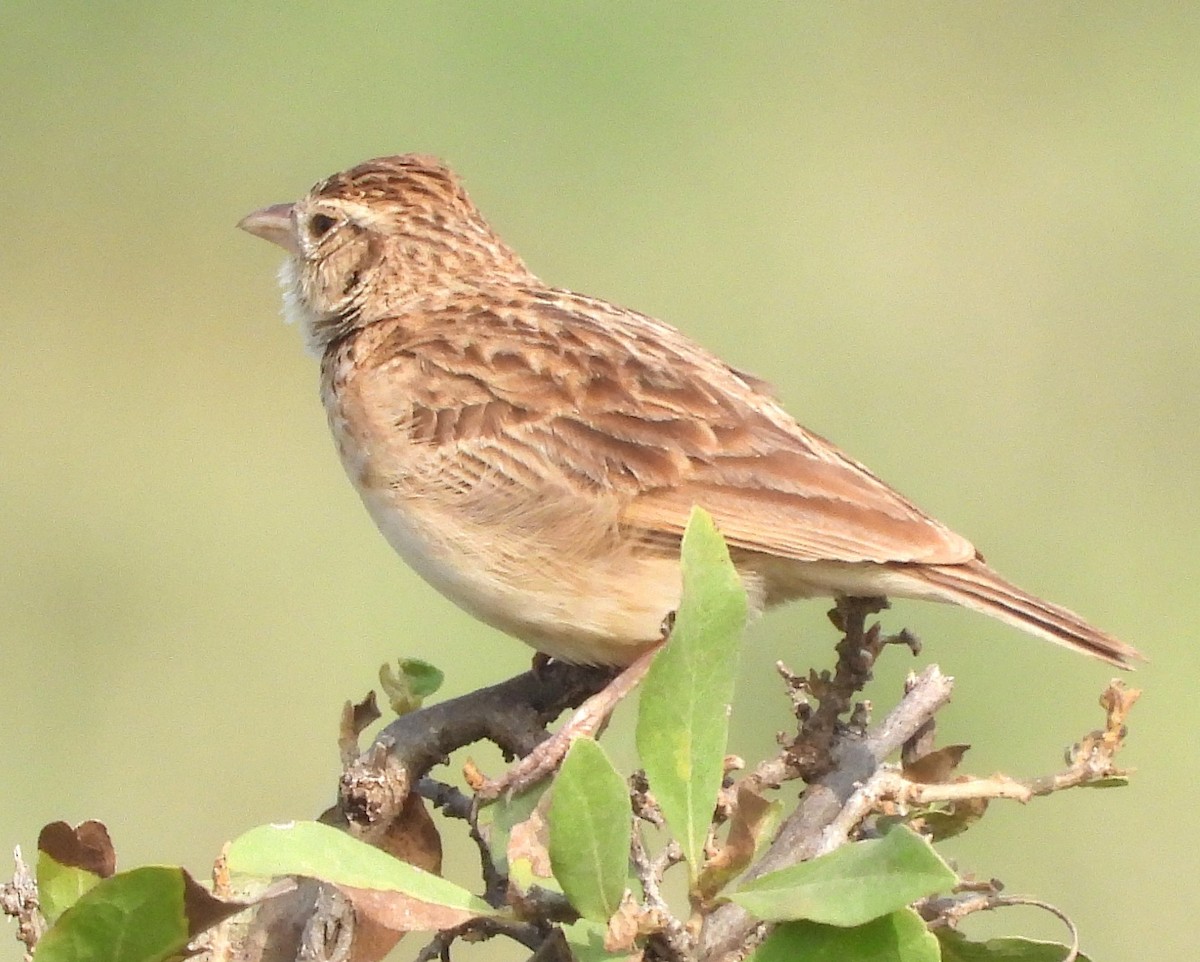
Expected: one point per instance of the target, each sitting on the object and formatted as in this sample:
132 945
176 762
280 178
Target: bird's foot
587 722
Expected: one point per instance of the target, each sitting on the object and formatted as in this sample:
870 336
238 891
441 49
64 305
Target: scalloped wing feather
572 395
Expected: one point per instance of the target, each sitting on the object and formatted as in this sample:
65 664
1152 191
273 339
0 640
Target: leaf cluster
576 869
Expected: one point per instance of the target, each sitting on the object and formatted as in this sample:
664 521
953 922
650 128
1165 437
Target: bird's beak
274 224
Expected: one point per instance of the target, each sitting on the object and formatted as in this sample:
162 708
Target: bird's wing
804 525
574 398
774 487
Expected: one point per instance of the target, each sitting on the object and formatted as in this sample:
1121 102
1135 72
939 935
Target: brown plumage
534 453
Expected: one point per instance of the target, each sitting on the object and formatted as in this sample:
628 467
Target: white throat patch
296 311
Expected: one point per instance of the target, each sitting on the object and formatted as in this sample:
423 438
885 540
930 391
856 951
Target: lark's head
374 240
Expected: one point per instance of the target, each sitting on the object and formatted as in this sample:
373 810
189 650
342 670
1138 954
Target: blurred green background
961 239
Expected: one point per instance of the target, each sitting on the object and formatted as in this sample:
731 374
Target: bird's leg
587 722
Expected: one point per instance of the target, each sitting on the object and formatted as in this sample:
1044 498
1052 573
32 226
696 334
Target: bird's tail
976 586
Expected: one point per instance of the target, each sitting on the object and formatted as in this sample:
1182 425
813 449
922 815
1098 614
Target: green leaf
586 939
504 815
683 718
957 948
590 831
146 915
898 937
318 851
852 885
61 886
408 687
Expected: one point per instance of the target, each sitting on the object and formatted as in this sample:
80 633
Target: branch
19 900
378 803
1091 761
523 933
812 830
947 912
803 835
513 714
672 938
841 758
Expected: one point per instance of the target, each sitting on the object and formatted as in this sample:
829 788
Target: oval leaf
590 831
958 948
852 885
683 716
318 851
897 937
145 915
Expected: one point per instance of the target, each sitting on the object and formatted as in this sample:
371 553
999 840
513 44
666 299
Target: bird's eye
319 225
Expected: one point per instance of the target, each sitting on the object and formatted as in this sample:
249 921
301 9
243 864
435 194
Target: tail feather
976 586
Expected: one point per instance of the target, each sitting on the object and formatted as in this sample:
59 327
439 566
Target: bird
535 453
